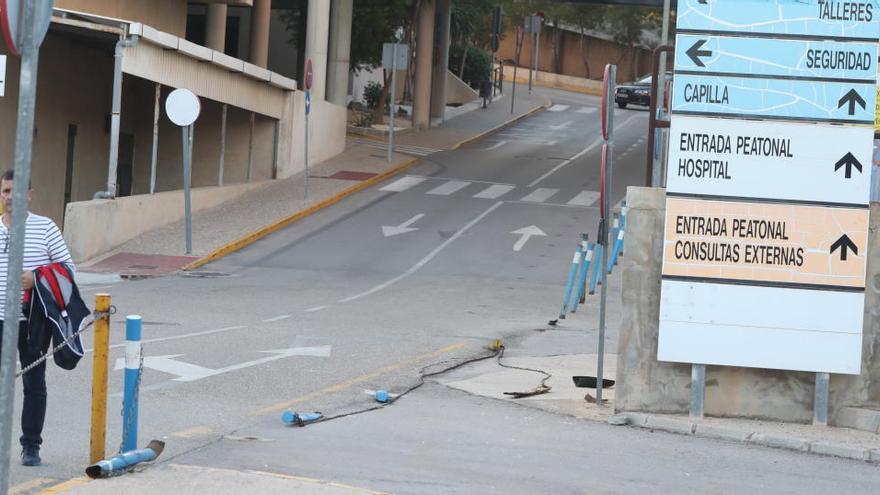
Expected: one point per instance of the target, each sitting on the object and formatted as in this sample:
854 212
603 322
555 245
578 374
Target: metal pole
531 57
609 168
155 159
250 167
518 52
222 146
698 390
306 149
276 142
657 177
133 352
393 101
99 379
187 183
820 403
24 135
537 54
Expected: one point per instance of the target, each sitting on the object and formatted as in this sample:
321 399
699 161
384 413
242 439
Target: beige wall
630 65
82 98
164 15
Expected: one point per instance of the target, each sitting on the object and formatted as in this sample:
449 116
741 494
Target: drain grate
201 274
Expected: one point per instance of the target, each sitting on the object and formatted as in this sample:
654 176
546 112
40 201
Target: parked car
636 93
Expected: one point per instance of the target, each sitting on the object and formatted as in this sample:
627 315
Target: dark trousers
33 411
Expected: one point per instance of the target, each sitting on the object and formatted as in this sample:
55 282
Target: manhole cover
205 274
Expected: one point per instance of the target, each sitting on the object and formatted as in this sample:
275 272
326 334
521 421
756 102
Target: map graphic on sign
768 183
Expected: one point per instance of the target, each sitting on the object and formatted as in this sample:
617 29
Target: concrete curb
256 235
699 429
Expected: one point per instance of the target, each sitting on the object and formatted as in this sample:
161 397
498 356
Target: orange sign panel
781 244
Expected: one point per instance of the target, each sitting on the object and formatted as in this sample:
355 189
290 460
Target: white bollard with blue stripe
133 352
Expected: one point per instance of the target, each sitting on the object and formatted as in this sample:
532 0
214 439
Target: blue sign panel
850 19
837 102
756 57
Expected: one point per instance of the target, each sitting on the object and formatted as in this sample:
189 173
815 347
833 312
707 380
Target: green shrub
372 93
477 66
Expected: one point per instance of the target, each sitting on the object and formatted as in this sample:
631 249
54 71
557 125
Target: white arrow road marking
187 372
167 364
561 126
495 146
526 233
403 228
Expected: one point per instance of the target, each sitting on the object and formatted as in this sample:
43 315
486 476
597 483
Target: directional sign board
768 183
2 75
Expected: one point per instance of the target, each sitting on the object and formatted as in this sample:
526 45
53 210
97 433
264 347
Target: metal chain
134 402
96 316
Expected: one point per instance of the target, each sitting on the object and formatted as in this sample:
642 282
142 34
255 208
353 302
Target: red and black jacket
55 311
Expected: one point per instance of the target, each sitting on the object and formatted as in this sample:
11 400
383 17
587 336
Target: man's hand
27 280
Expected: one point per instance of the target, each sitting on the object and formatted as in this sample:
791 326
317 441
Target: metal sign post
183 108
519 43
605 200
395 56
22 23
307 82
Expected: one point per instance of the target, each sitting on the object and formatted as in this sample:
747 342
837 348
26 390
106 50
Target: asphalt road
419 272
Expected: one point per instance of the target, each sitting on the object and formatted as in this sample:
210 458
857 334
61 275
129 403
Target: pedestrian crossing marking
585 198
558 108
448 188
402 184
588 110
494 191
540 195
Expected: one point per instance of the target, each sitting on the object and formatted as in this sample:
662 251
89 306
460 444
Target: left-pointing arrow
852 97
389 231
849 161
844 244
695 53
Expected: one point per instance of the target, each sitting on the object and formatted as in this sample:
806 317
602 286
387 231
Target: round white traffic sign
10 20
183 107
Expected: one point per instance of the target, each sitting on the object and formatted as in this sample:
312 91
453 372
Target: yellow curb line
63 487
256 235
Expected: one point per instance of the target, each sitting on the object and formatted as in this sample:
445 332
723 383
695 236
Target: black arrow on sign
852 98
848 161
843 244
695 53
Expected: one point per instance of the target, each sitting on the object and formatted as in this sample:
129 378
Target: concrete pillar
424 64
317 36
260 18
441 64
339 51
215 27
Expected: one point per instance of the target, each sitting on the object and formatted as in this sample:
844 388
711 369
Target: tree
629 24
470 25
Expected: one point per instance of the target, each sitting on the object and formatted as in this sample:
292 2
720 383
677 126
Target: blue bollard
293 418
569 285
597 268
132 377
618 245
582 280
623 211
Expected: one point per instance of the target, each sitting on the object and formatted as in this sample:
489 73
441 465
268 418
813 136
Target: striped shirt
43 245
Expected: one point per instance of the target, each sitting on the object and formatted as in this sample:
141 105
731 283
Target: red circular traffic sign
10 19
605 102
307 80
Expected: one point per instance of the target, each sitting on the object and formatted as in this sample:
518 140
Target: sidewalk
222 230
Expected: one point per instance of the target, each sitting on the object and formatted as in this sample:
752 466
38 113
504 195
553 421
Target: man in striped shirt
43 245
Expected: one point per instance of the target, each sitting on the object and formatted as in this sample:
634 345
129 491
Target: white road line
179 337
316 308
588 110
495 146
402 184
448 188
494 192
426 259
558 108
585 198
540 195
580 154
561 126
277 318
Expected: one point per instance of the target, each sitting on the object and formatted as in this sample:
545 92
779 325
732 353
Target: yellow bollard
99 378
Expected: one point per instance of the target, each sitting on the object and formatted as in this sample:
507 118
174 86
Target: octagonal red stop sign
307 80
